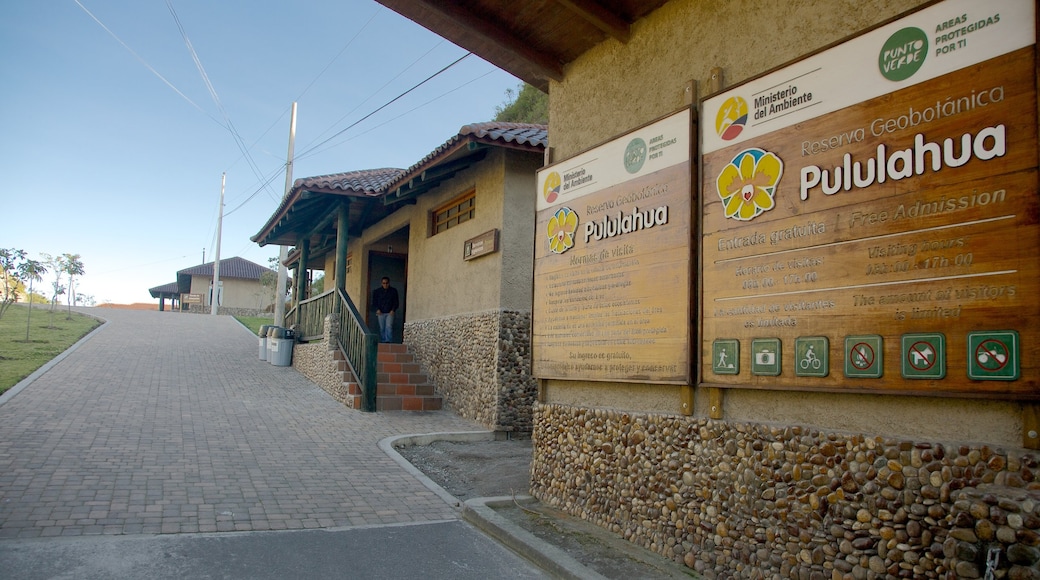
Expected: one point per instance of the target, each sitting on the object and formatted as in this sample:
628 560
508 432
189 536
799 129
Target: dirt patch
502 468
476 469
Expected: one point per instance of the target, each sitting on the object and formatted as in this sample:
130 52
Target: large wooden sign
612 295
869 214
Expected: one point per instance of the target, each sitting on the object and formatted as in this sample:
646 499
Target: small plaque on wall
485 243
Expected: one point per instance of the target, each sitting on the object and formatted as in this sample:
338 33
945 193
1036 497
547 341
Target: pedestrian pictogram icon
766 356
993 355
863 356
725 356
924 356
811 356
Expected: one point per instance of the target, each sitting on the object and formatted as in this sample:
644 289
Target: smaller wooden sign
485 243
191 298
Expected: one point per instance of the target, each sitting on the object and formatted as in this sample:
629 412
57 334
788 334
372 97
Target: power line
144 62
213 93
376 92
313 149
416 108
316 78
385 105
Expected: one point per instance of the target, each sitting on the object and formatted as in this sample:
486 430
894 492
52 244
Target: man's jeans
386 326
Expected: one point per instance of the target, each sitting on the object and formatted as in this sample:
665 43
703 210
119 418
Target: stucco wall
440 282
238 293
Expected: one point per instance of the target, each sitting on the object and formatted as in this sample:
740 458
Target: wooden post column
301 269
341 246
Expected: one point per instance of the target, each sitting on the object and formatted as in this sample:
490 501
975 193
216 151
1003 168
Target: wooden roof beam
600 17
460 20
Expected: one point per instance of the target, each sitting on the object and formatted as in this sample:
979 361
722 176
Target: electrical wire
145 63
380 108
239 141
315 80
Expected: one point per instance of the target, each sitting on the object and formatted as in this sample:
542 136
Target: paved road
168 423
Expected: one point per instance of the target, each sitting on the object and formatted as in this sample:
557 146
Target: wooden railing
310 315
360 345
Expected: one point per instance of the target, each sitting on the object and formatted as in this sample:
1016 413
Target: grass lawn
254 322
19 358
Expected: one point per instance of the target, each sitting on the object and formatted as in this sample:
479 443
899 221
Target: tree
30 271
10 260
318 285
73 268
57 266
526 104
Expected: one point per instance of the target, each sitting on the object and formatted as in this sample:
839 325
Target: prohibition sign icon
924 356
862 355
992 354
921 355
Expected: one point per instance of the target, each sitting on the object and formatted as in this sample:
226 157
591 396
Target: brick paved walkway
168 422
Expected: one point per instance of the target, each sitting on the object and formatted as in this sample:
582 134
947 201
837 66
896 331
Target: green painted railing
360 345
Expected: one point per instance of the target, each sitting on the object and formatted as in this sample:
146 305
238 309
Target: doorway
395 267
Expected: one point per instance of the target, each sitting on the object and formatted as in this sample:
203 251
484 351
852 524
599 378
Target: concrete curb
10 393
389 444
479 512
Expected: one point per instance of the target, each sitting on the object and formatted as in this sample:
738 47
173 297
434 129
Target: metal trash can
263 340
281 346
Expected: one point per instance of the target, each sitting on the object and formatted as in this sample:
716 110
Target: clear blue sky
101 157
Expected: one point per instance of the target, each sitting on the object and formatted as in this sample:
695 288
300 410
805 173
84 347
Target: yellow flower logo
560 231
747 185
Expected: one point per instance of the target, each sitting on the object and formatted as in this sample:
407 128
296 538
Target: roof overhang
533 40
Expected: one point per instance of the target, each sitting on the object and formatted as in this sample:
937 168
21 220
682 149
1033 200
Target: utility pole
216 259
283 253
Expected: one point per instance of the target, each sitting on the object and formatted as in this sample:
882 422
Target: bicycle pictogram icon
810 360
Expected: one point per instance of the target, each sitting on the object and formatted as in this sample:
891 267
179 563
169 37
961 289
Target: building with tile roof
240 288
453 233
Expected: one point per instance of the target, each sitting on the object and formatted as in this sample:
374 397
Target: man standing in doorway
386 303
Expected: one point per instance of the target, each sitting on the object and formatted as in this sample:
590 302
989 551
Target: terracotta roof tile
230 268
525 134
368 181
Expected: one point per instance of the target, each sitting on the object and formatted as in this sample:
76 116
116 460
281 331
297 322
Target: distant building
240 290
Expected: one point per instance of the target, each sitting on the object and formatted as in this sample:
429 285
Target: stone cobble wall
480 364
737 500
315 361
225 311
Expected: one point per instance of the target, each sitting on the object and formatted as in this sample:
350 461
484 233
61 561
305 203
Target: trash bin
270 342
263 340
281 341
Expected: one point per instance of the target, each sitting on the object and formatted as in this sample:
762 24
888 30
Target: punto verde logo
635 155
903 54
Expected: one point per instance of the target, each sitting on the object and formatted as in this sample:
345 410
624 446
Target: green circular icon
903 54
635 155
